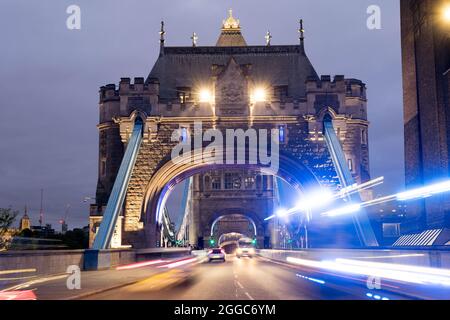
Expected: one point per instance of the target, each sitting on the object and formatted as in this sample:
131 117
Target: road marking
240 285
32 282
249 296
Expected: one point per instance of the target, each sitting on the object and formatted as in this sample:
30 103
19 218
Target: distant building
25 222
64 227
425 29
43 231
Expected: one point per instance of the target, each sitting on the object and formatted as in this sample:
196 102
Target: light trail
18 295
178 263
343 211
140 264
397 272
424 192
376 296
323 197
394 256
419 193
2 272
311 279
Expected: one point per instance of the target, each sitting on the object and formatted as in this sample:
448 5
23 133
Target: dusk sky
50 76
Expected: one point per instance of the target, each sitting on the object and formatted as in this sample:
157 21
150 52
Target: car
216 254
245 252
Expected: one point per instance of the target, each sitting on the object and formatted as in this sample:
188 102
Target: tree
7 218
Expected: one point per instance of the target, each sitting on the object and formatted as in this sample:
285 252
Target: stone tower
228 86
426 84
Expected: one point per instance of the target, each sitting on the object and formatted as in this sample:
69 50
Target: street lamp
446 13
205 96
259 95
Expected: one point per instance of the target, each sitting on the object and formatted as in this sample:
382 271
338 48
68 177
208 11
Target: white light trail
323 197
178 263
424 192
353 208
140 264
398 272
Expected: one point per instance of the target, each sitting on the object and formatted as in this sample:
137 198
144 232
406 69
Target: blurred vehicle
245 248
216 254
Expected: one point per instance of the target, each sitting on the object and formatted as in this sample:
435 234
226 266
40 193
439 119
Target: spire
41 211
194 39
302 32
162 39
268 38
231 35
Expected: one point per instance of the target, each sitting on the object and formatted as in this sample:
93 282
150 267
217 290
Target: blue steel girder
115 202
361 220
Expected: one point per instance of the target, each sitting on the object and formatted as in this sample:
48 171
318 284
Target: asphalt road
235 279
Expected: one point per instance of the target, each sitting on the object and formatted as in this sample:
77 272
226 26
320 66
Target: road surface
235 279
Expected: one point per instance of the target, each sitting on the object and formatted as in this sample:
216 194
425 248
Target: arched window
258 182
207 183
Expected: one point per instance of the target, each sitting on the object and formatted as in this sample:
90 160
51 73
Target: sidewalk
92 282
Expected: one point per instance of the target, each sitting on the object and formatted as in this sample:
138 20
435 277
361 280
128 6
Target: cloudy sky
49 79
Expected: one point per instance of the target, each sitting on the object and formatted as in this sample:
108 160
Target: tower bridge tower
228 86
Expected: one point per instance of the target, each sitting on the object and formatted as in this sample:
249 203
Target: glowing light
398 272
140 264
343 211
316 199
18 295
17 271
424 192
259 95
205 95
311 279
359 187
376 296
447 13
394 256
282 213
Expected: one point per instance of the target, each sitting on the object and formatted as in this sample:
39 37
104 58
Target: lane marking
33 282
240 285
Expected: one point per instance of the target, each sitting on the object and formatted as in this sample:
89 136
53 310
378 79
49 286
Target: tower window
184 94
183 134
207 183
232 181
282 133
103 167
249 182
350 164
281 93
363 136
216 184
